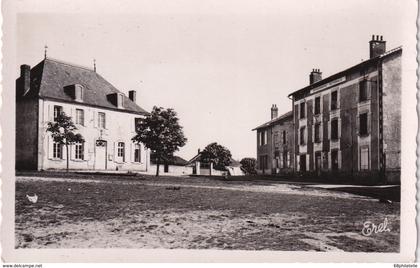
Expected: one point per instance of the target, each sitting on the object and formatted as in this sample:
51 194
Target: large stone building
349 124
104 116
275 144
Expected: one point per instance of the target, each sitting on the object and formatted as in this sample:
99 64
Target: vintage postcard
208 131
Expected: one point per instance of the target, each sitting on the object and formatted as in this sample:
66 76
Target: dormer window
75 91
116 99
78 92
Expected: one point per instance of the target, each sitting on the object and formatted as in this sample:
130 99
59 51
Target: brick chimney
24 80
315 76
132 95
377 46
274 111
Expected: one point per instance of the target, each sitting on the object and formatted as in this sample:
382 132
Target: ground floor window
57 150
121 150
364 158
263 162
302 162
137 153
334 160
285 159
79 151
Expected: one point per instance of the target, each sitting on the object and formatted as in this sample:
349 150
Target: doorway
100 155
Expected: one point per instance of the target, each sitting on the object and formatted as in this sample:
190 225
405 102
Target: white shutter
307 162
64 154
50 112
321 131
297 163
115 151
50 146
281 160
329 160
72 149
339 159
339 128
84 150
288 159
329 129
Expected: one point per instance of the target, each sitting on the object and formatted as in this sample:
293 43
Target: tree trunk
67 158
157 166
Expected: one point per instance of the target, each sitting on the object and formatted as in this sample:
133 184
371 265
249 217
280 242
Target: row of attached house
348 124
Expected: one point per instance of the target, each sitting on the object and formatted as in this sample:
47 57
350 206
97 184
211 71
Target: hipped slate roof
50 77
174 160
275 120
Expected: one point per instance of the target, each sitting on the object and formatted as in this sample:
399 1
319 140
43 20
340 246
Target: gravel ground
196 213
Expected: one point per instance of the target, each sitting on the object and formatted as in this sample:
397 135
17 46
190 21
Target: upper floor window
276 139
284 136
80 117
363 118
317 133
78 151
334 100
302 110
334 129
101 120
57 110
317 105
363 94
263 137
137 121
302 135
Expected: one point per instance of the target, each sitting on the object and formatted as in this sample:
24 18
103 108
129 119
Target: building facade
103 115
349 124
275 144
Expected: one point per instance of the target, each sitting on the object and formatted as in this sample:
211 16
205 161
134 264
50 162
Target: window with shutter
317 105
363 95
302 110
334 100
334 129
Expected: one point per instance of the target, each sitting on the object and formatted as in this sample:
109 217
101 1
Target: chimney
132 95
274 111
198 151
25 80
377 46
315 76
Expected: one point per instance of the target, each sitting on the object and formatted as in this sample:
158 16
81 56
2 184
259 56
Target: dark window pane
363 124
334 129
317 105
334 100
302 110
362 90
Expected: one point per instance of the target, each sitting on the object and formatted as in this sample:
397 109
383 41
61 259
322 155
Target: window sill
364 135
57 159
78 160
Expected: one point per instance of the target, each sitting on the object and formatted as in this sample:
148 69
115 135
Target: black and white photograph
229 128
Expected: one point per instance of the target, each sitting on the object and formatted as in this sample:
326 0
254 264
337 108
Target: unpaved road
200 214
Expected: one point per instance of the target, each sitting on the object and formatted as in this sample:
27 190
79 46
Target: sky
219 64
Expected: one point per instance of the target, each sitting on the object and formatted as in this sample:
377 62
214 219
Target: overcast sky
220 65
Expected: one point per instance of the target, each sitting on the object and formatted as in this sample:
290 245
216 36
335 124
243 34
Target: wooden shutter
72 149
369 122
50 112
297 163
64 151
339 128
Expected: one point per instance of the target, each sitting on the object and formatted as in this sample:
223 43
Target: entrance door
302 162
100 154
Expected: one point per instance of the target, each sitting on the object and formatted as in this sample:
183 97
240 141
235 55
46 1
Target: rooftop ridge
70 64
320 82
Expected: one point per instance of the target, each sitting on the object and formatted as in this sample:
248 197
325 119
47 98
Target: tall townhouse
275 150
103 115
349 124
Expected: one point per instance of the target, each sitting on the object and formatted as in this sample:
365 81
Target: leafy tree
63 132
161 133
249 164
217 154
